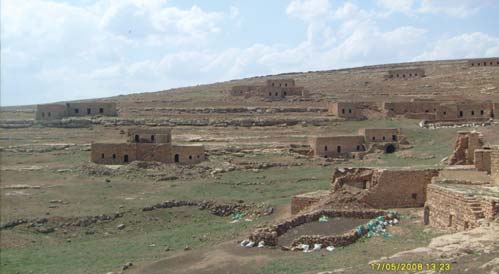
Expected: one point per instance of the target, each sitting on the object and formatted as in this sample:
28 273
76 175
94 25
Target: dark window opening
460 113
102 155
426 216
89 111
114 156
338 149
276 94
374 138
125 158
383 138
285 93
280 84
77 110
390 149
466 225
484 63
350 110
445 112
152 138
397 75
101 110
426 111
198 156
472 112
270 93
343 111
414 195
286 84
137 138
451 219
190 157
403 75
394 137
177 158
410 74
415 74
43 114
325 148
273 83
481 112
358 148
49 114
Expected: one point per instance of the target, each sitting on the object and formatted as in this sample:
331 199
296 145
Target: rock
186 248
120 226
45 230
127 265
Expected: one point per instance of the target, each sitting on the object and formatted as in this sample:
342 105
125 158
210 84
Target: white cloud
309 10
404 6
467 45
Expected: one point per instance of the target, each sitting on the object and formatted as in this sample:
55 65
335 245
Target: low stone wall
269 235
302 201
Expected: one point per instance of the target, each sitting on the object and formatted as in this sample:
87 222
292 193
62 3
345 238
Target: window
349 110
152 138
273 83
403 75
415 74
190 157
276 94
114 156
125 158
472 64
343 111
397 75
383 138
472 112
410 74
445 112
286 84
373 138
77 110
394 137
101 110
137 138
102 156
43 114
338 149
280 84
198 156
177 158
89 111
460 113
325 148
426 111
285 94
358 148
48 114
484 63
270 93
481 112
498 62
414 196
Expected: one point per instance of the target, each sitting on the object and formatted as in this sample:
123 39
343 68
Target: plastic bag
317 247
330 248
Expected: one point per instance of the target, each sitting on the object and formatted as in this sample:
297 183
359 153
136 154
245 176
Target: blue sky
55 50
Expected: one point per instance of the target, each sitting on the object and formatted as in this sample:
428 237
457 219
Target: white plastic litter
330 248
261 244
250 244
304 247
317 247
244 242
395 221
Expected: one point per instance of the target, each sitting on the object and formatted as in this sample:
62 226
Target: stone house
404 74
274 89
146 144
484 62
58 111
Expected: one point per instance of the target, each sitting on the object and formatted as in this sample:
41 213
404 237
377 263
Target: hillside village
357 165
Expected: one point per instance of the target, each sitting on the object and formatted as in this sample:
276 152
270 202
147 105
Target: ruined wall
244 90
302 201
399 188
380 134
336 146
482 160
464 148
405 74
451 209
474 110
494 166
188 154
91 109
50 112
149 135
483 62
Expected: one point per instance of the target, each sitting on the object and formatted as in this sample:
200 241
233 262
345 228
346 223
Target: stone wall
403 74
380 134
123 153
454 210
50 112
149 135
483 62
495 110
494 167
336 146
188 154
464 148
274 89
482 159
348 110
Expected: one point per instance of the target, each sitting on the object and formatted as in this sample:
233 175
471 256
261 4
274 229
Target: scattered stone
120 226
127 265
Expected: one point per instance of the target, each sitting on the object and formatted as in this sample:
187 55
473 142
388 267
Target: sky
56 50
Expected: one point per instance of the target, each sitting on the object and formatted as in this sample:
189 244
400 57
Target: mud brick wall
482 160
490 208
494 166
349 110
399 188
336 146
451 209
400 108
50 112
280 83
243 90
474 110
191 154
